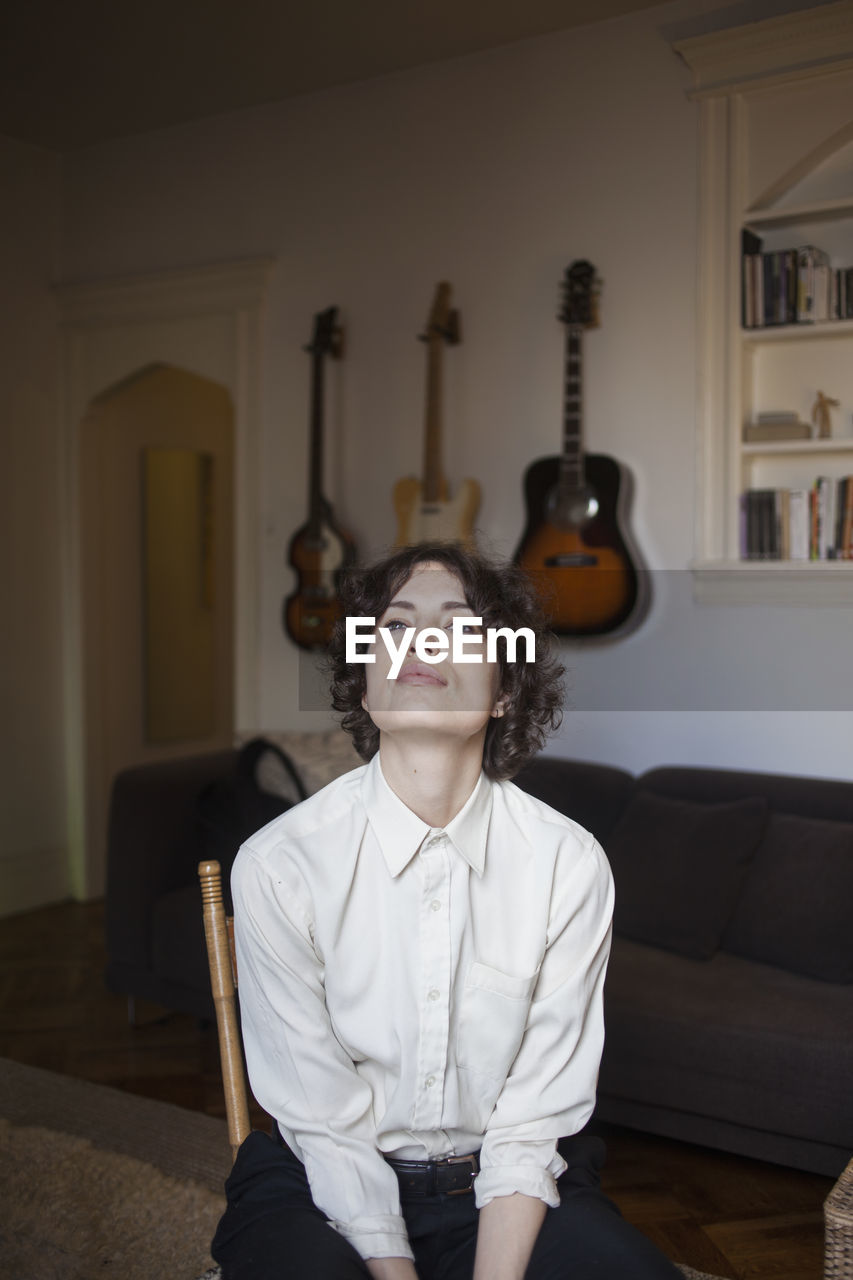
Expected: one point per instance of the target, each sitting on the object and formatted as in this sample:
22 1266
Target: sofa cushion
678 869
178 947
794 910
731 1039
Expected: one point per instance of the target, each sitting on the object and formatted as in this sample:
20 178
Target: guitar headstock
443 321
327 338
581 289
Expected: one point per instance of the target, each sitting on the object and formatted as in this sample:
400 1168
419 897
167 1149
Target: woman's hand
391 1269
506 1234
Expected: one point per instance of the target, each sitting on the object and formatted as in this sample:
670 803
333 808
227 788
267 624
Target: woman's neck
433 777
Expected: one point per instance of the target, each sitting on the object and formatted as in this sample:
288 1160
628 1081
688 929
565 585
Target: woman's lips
418 674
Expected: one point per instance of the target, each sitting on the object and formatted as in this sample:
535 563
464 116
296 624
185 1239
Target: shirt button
434 994
435 905
430 1081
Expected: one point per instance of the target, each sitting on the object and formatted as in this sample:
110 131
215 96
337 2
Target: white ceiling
74 72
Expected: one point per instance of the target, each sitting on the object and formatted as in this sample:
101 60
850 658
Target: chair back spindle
219 935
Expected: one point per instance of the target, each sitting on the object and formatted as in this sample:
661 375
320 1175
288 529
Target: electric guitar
425 511
320 549
573 545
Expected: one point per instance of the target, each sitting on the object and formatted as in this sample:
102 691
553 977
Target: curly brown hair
503 596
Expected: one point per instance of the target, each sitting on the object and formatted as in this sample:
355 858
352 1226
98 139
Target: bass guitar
425 510
320 549
573 545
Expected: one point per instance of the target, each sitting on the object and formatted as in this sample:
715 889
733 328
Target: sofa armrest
595 795
153 846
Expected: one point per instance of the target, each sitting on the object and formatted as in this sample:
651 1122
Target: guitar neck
433 475
315 472
571 458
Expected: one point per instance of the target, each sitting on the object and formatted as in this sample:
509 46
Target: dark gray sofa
746 1044
729 997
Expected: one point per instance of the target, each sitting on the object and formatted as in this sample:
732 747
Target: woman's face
447 697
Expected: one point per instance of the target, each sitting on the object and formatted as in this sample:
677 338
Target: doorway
156 509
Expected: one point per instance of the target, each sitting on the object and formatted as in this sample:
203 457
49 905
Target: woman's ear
499 708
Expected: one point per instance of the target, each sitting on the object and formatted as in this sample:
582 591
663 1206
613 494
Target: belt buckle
471 1159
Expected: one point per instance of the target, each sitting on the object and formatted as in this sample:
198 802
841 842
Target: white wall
492 172
32 749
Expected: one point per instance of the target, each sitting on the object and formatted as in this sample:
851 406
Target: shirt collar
400 832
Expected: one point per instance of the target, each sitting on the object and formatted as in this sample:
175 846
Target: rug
96 1182
72 1211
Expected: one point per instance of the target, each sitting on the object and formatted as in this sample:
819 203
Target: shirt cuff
506 1180
380 1237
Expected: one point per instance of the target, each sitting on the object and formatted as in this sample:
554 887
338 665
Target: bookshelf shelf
779 448
776 160
795 215
823 331
807 583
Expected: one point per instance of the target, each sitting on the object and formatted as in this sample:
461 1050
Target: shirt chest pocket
492 1018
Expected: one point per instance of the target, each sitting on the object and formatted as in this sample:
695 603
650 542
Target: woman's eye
470 628
394 624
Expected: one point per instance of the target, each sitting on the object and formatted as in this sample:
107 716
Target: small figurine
820 415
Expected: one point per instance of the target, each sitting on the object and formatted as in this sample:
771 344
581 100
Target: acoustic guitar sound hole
571 508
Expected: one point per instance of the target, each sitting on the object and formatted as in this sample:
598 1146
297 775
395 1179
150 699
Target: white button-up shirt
421 992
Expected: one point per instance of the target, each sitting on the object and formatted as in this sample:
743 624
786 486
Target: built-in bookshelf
776 150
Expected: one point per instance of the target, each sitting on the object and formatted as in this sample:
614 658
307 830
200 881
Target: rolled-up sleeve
299 1072
550 1090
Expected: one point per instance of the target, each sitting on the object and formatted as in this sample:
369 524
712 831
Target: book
847 520
798 524
783 524
756 432
751 250
791 286
841 487
823 524
798 520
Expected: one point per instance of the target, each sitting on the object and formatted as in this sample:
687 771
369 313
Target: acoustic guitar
573 545
320 549
425 510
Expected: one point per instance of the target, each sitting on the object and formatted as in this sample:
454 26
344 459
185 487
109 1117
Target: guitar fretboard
571 459
315 476
434 484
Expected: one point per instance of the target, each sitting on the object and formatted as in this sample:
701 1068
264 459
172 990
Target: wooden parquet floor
719 1213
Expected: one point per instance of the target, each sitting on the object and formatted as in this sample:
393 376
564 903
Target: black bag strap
250 754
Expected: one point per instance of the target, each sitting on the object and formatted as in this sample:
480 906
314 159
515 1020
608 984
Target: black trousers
272 1230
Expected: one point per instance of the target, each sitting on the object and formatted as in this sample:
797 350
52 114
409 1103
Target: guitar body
574 549
320 549
425 512
318 556
443 520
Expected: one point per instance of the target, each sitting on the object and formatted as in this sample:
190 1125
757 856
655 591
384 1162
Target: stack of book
776 424
798 524
792 286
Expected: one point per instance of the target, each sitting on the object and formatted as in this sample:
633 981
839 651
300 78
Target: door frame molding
109 329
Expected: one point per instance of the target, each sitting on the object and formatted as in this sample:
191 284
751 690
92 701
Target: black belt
453 1176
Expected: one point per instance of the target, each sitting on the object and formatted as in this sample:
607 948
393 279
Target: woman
421 949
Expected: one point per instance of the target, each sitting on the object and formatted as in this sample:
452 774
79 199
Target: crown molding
217 287
809 41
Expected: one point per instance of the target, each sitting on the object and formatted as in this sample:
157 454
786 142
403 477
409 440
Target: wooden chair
219 934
